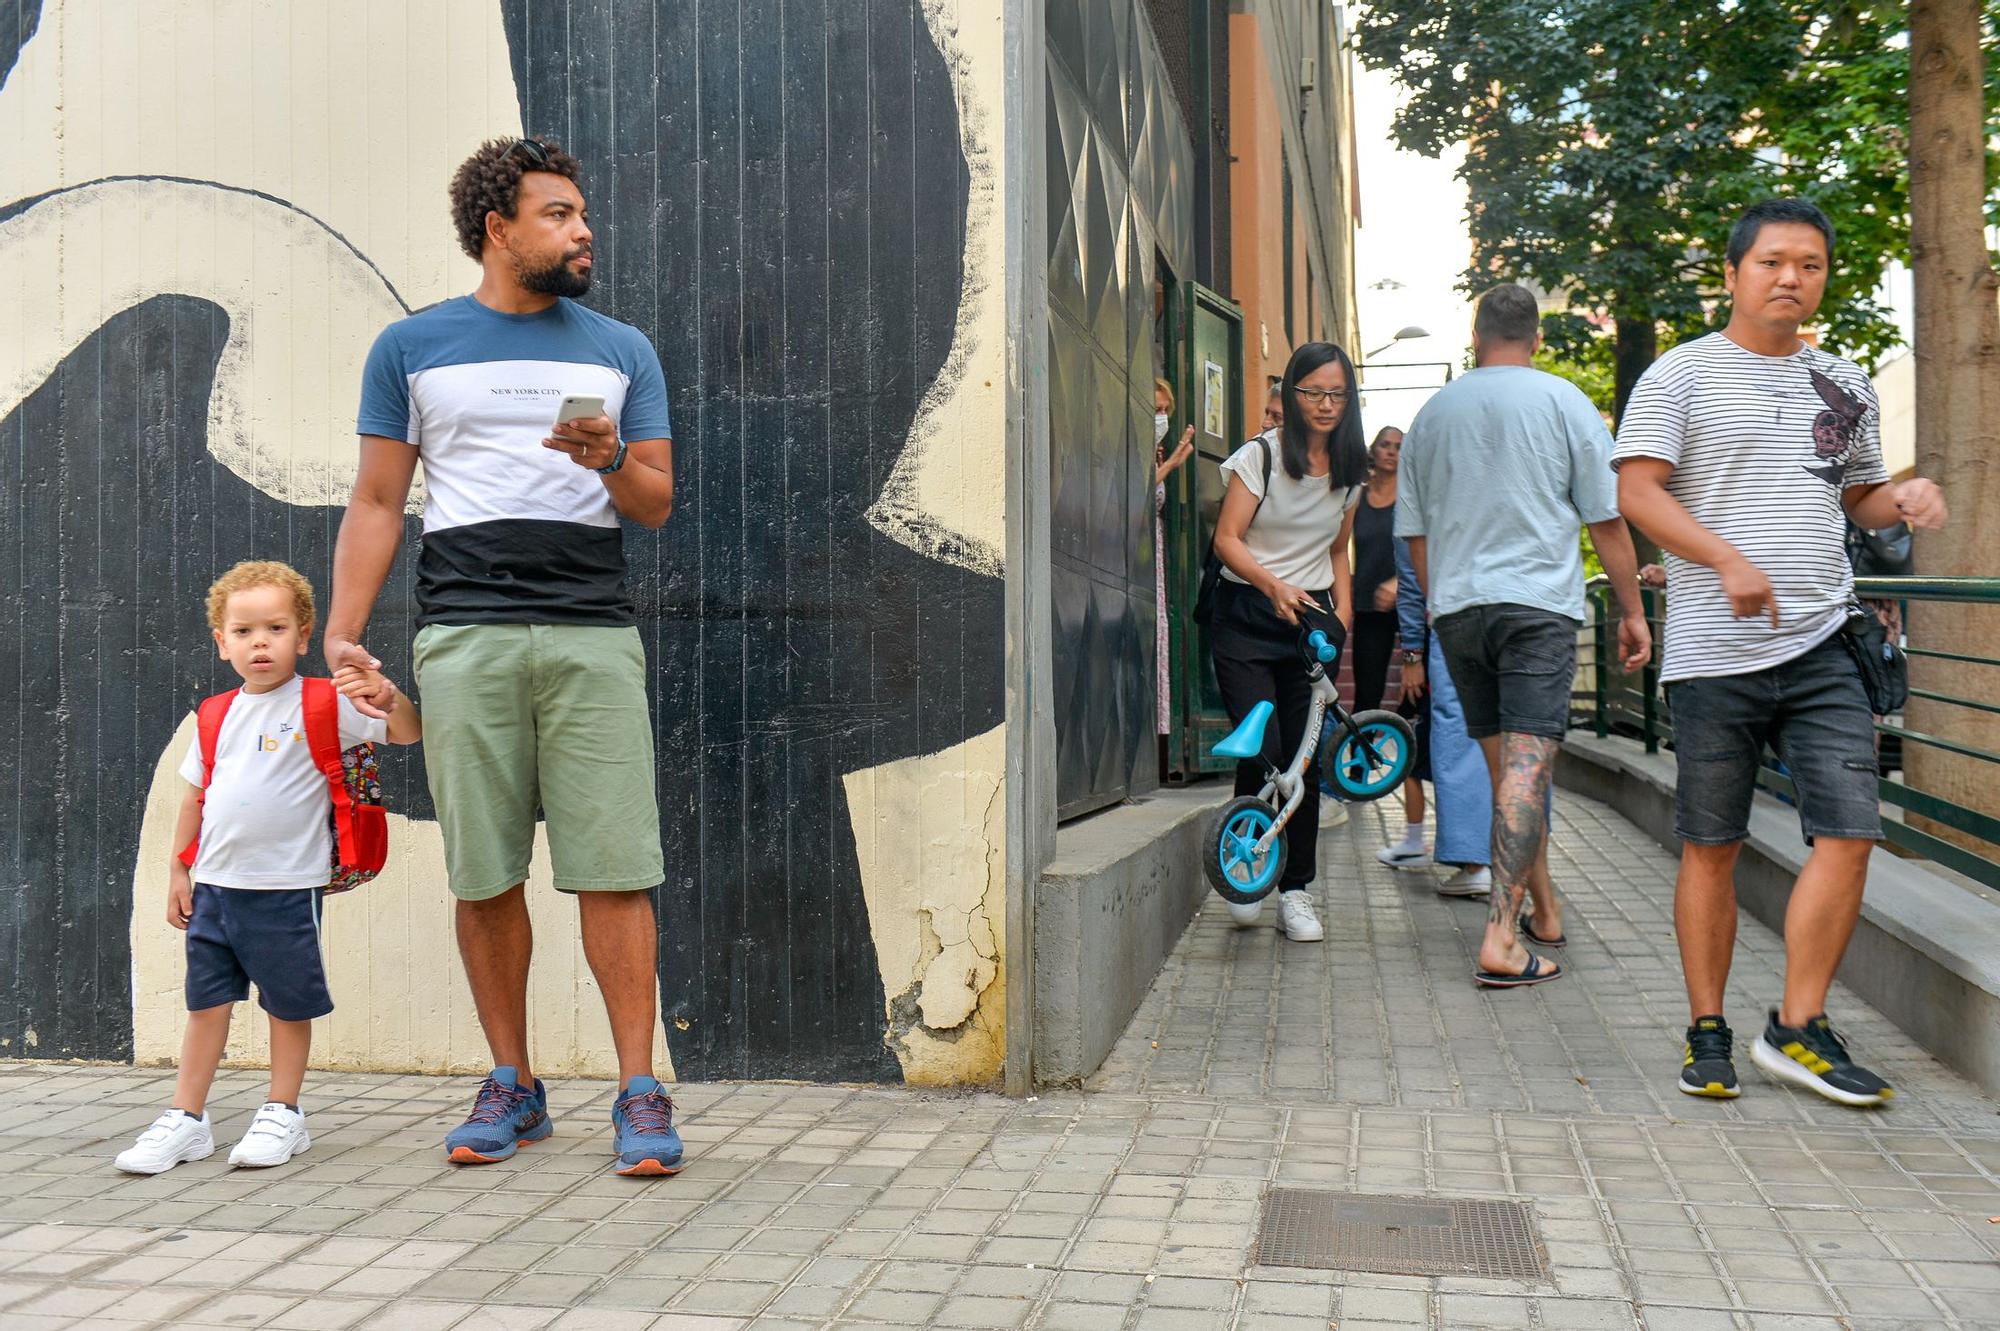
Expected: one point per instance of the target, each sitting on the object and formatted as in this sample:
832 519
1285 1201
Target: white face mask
1160 423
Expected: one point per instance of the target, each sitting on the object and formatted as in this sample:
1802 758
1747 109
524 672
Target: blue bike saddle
1248 739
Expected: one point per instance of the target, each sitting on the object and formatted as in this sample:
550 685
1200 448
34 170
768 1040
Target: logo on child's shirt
271 743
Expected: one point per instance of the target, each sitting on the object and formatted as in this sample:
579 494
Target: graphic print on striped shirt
514 533
1762 448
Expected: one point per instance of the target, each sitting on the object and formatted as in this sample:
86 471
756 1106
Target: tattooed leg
1522 767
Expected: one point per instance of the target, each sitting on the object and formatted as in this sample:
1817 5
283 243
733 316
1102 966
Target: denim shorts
240 934
1513 666
1813 711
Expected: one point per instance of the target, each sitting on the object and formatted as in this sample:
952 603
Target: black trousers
1257 659
1374 643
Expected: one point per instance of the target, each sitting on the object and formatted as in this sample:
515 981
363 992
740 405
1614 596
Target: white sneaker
1297 917
1403 855
1244 915
1332 812
174 1137
1468 883
275 1136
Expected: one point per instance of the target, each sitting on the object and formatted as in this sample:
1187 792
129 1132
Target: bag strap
321 705
208 734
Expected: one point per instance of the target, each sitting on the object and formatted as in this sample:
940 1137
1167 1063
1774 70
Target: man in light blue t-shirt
1498 472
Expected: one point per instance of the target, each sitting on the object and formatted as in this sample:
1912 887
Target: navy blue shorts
238 935
1813 711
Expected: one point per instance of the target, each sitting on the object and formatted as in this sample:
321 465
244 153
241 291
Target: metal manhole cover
1404 1236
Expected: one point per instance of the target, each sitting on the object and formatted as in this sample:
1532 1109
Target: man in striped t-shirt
1741 453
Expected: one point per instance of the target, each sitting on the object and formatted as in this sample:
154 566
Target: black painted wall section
778 194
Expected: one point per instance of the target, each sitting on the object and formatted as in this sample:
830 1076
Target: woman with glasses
1282 538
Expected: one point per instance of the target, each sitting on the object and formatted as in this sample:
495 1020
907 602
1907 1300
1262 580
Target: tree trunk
1636 347
1957 394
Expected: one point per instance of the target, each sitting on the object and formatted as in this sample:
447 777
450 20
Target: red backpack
360 824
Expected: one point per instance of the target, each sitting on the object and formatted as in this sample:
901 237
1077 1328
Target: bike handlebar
1322 647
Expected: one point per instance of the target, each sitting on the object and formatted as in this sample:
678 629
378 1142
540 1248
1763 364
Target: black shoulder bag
1885 671
1211 567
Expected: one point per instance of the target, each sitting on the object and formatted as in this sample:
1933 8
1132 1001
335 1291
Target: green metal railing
1610 701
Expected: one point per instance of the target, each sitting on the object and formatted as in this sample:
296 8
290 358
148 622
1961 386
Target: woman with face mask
1283 545
1163 467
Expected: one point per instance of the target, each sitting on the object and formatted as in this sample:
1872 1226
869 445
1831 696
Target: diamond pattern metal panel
1068 183
1104 245
1119 175
1069 364
1407 1236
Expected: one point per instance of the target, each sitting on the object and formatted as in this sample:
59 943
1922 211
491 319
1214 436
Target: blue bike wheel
1369 765
1237 871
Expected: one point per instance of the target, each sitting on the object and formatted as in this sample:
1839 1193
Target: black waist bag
1885 671
1211 567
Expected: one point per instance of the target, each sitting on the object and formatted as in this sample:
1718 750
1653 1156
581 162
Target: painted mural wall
211 208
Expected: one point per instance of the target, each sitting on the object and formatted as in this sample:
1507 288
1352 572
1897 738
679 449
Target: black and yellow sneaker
1813 1056
1707 1070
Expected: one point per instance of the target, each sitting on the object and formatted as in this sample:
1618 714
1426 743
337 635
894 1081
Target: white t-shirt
1762 448
265 822
1293 533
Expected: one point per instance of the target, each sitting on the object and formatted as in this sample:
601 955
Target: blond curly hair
261 573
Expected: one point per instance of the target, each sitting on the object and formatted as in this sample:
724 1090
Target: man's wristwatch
1411 656
617 461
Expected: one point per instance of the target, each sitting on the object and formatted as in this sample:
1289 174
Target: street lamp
1407 333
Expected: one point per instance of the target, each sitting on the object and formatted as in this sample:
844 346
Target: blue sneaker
643 1118
504 1117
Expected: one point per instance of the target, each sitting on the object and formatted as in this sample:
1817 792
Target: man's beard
558 279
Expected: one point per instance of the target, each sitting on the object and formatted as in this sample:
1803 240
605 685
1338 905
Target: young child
250 905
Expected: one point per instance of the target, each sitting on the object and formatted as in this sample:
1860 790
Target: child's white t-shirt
265 819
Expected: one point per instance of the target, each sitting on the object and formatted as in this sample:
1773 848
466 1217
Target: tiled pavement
1366 1064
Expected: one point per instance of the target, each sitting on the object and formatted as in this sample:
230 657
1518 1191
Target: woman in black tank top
1375 571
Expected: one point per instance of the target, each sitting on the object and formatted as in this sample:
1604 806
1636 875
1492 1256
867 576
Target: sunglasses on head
532 150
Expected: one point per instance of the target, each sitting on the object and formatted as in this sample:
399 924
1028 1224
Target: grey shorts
1813 711
1513 666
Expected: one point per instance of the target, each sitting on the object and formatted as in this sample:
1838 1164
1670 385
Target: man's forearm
1613 543
1872 506
1647 505
641 492
370 534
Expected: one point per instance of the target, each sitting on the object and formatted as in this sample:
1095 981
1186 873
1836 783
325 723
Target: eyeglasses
536 154
1337 396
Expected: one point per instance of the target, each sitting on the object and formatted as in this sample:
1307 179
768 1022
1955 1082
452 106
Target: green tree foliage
1611 144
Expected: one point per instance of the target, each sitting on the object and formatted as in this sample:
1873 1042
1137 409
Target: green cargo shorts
520 717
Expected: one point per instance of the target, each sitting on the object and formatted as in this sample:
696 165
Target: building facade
814 211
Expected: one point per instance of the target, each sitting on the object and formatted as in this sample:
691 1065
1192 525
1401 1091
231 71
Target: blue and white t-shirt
514 533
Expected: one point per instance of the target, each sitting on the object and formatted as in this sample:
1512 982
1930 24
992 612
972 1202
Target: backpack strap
1264 443
321 704
208 733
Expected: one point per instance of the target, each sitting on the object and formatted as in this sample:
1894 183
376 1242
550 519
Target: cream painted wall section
400 999
944 497
211 104
931 835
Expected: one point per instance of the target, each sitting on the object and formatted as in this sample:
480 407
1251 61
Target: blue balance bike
1366 755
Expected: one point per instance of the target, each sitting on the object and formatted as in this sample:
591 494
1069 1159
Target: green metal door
1206 357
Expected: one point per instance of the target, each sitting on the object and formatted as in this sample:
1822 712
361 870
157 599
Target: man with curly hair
528 656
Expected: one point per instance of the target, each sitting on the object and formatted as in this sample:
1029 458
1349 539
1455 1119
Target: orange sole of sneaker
465 1155
649 1169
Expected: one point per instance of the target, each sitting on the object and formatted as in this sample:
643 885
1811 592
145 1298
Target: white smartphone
579 407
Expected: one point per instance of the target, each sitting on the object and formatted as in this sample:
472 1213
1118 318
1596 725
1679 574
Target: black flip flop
1536 973
1528 932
